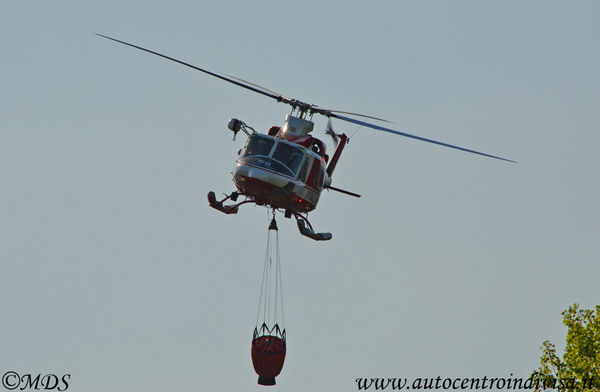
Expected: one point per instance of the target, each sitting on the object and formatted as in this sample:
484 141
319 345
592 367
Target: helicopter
287 168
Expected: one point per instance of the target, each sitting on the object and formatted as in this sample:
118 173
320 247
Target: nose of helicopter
250 178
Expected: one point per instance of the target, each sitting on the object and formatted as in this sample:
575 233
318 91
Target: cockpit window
304 170
322 177
258 146
289 155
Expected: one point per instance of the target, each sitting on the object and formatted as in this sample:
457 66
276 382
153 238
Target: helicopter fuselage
282 173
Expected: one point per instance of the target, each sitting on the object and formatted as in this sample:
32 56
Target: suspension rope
262 286
277 283
271 292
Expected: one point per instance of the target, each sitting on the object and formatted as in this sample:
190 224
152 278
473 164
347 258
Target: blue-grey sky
115 270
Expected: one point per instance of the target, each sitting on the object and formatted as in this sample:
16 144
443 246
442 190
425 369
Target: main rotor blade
416 137
358 114
303 106
256 90
258 86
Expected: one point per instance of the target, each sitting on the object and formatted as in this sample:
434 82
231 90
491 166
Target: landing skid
308 231
229 208
304 225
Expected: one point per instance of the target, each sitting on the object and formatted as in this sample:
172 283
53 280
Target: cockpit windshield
277 156
258 145
290 156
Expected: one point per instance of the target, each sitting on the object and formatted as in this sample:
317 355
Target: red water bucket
268 354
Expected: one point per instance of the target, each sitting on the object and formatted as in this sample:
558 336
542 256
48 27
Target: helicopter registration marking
262 162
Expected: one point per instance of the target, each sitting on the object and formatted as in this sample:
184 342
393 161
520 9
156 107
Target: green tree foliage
579 368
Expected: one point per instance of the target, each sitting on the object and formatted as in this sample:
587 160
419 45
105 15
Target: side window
313 177
304 170
322 177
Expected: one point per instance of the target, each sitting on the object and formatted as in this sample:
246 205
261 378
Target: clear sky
115 270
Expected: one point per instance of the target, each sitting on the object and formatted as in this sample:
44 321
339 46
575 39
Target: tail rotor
329 130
